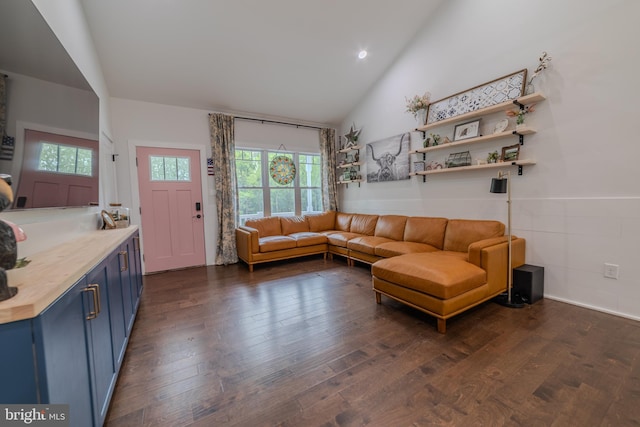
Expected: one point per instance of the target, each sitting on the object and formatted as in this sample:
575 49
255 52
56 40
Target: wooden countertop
52 272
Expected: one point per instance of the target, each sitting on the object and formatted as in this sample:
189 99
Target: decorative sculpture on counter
8 245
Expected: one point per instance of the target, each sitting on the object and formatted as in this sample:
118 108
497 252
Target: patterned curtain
221 130
328 160
3 105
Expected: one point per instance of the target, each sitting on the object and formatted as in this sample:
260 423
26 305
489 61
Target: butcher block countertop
52 272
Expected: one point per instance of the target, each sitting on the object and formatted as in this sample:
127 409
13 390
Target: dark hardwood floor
303 343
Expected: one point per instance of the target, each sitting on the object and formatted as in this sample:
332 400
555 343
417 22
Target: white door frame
207 212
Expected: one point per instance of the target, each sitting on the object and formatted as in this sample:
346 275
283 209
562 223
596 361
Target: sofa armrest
247 242
492 254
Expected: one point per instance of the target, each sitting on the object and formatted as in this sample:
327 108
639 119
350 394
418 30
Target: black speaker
528 282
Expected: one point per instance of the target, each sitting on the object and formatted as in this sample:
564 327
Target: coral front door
171 208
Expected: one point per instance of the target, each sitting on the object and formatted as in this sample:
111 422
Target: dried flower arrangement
544 63
418 103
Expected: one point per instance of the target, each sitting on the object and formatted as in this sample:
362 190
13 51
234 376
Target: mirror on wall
51 112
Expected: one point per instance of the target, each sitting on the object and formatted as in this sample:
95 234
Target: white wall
137 123
579 206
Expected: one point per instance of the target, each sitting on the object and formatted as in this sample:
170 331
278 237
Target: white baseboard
591 307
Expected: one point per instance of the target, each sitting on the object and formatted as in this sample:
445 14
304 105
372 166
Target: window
259 196
168 168
65 159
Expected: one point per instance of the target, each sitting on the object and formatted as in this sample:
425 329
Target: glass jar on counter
120 215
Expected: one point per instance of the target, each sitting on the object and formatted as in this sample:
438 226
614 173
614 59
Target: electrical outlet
611 270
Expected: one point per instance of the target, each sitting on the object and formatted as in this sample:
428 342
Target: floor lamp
502 184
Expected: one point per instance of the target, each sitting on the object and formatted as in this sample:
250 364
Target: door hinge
140 209
136 162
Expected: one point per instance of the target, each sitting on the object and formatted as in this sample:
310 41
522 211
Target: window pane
251 204
167 168
67 159
170 169
184 169
311 200
84 162
48 157
157 168
310 171
248 168
282 201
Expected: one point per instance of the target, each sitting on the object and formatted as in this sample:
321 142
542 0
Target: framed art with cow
388 159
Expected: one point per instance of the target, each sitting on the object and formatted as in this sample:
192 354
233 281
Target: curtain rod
275 122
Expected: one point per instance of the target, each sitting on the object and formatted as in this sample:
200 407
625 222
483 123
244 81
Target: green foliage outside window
65 159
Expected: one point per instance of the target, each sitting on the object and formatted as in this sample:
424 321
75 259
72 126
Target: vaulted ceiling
293 59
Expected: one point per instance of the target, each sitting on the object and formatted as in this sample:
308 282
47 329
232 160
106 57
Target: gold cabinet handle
93 313
125 254
97 288
136 246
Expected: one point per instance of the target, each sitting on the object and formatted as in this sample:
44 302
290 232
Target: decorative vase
529 89
421 117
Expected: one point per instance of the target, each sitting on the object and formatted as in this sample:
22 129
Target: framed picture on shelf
510 153
346 175
466 130
418 166
349 158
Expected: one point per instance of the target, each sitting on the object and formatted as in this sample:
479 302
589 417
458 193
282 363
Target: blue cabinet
62 354
72 352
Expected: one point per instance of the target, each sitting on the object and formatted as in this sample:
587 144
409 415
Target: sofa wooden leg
250 268
378 297
442 326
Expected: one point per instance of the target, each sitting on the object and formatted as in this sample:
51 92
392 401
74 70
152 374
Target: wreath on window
282 170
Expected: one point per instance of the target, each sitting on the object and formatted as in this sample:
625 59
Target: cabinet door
118 303
101 348
17 368
62 355
129 292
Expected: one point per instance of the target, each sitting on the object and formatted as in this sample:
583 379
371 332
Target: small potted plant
492 157
435 138
520 113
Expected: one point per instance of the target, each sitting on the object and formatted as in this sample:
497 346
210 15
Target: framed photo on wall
510 153
466 130
418 166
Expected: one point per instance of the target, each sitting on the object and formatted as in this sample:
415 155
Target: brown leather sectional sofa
439 266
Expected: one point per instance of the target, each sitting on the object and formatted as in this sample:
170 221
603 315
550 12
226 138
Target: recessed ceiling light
362 54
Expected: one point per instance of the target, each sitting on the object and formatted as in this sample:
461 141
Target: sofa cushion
268 226
389 249
363 224
425 230
340 238
366 244
463 232
391 226
343 221
308 238
293 224
322 222
440 276
276 243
